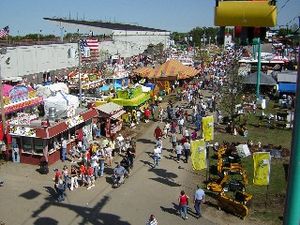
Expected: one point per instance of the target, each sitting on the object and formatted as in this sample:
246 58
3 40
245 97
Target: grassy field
268 202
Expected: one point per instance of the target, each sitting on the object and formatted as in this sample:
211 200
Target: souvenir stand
110 114
39 139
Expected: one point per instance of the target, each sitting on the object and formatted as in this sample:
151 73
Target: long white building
126 40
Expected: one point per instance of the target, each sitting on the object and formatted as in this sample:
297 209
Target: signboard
22 131
23 119
72 122
18 93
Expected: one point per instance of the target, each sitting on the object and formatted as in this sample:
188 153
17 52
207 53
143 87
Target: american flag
4 32
89 49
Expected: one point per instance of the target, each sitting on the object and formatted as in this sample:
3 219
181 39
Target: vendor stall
110 113
37 139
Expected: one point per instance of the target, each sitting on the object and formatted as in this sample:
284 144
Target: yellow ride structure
261 13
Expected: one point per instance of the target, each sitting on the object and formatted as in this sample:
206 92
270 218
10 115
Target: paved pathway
27 197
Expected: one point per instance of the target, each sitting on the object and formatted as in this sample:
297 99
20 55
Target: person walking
158 133
181 124
152 220
178 150
63 149
187 150
199 198
60 187
156 156
183 202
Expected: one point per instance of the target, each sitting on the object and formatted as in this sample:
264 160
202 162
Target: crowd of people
88 161
180 123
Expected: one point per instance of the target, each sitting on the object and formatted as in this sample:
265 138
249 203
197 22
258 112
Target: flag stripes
89 49
4 32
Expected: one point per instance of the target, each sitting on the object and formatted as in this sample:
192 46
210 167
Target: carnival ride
259 13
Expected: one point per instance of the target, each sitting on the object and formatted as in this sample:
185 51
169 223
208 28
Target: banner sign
208 128
198 150
262 168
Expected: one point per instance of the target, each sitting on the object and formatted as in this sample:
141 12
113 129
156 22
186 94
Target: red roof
49 132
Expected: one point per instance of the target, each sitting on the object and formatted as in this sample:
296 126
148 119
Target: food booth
38 139
110 114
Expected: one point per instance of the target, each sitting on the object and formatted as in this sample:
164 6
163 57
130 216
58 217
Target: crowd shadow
164 177
147 163
87 215
175 210
45 220
166 181
52 193
145 141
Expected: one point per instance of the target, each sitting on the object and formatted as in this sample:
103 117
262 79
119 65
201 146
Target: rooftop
107 25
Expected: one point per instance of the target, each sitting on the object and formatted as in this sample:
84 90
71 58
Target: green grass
268 202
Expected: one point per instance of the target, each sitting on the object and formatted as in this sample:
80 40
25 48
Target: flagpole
79 71
2 52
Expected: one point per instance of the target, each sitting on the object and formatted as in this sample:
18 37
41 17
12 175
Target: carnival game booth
132 99
18 98
110 118
116 79
39 139
90 79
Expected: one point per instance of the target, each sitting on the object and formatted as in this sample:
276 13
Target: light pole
256 42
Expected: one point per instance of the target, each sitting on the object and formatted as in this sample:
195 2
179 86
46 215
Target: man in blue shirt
119 173
198 199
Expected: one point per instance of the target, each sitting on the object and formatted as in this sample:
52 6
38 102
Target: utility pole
292 206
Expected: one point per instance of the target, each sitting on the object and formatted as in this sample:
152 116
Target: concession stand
39 139
110 118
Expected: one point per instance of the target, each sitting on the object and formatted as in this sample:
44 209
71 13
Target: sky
26 16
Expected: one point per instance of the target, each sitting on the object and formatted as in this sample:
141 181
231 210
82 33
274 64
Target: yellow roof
172 69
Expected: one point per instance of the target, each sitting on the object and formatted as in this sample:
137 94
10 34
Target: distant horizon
26 17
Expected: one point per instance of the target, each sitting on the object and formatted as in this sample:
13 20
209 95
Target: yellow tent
170 70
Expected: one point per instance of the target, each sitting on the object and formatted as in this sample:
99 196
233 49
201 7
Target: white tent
47 91
63 103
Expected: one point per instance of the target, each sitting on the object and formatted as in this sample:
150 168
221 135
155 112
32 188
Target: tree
232 94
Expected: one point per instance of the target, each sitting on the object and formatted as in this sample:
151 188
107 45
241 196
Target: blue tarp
150 85
117 84
287 87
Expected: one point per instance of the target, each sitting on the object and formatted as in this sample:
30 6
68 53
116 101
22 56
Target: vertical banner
198 150
262 168
208 128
